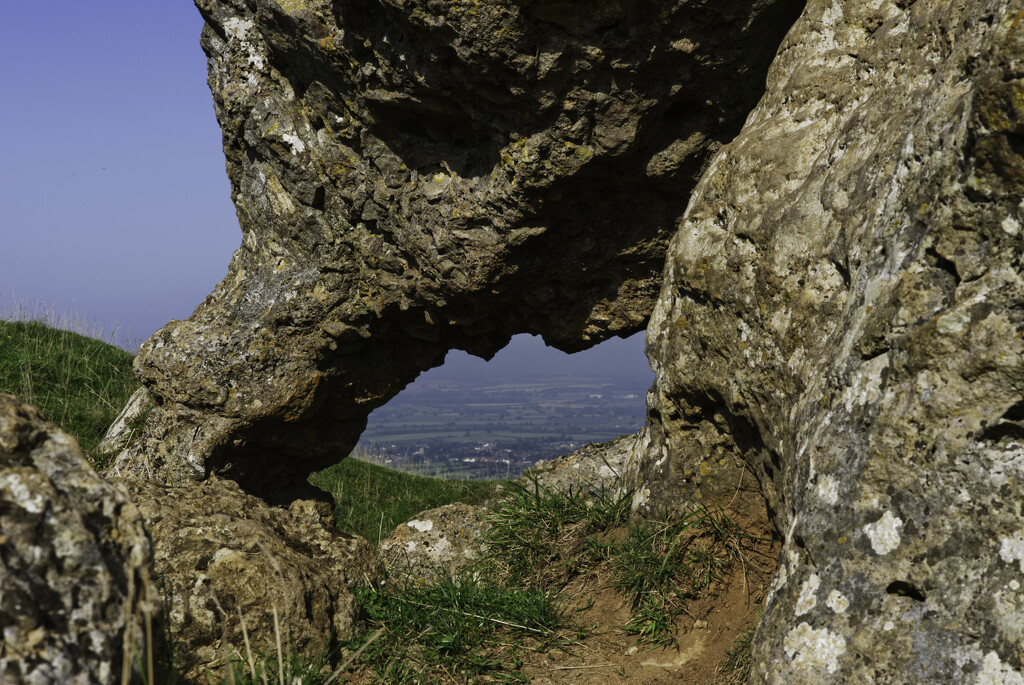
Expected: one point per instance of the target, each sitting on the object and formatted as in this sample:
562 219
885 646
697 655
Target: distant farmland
487 428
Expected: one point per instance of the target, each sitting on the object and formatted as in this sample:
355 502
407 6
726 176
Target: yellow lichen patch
291 5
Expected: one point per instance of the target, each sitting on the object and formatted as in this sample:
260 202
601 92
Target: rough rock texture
219 552
596 468
842 316
413 176
448 539
75 596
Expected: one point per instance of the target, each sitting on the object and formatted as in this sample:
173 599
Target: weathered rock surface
842 314
448 540
414 176
598 469
75 596
223 558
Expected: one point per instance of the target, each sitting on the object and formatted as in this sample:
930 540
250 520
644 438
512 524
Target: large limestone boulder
76 602
226 562
415 176
842 316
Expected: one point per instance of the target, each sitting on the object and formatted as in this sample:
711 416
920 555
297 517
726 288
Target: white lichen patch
884 533
866 387
807 601
22 493
421 526
837 602
782 575
297 145
828 489
995 672
955 322
238 28
1010 226
1012 549
440 548
640 498
810 648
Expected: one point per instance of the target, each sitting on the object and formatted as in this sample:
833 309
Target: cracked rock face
842 316
224 559
413 176
75 595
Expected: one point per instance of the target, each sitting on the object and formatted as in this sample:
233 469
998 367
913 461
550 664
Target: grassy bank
80 383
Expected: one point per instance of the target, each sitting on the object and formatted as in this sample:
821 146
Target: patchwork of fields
497 427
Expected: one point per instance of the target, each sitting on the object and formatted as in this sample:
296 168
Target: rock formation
839 324
414 176
225 560
842 316
76 604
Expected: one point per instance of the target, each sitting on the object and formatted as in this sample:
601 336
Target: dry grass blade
351 660
248 646
277 638
499 621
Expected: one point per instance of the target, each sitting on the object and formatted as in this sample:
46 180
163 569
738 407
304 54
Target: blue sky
114 202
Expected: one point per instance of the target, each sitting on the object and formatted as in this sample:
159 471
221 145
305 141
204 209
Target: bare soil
704 632
707 628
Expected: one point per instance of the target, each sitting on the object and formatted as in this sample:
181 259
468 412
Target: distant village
484 459
494 429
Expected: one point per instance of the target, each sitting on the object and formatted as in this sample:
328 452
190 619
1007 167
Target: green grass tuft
738 660
80 383
664 563
545 537
464 627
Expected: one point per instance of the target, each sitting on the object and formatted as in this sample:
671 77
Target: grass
80 383
462 627
663 564
738 659
281 669
371 500
545 537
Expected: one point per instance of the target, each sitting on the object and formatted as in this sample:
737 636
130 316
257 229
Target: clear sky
114 202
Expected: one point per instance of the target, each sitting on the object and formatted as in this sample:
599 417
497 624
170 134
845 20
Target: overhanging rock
842 316
416 176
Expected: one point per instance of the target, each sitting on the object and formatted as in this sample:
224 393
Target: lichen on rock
444 541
